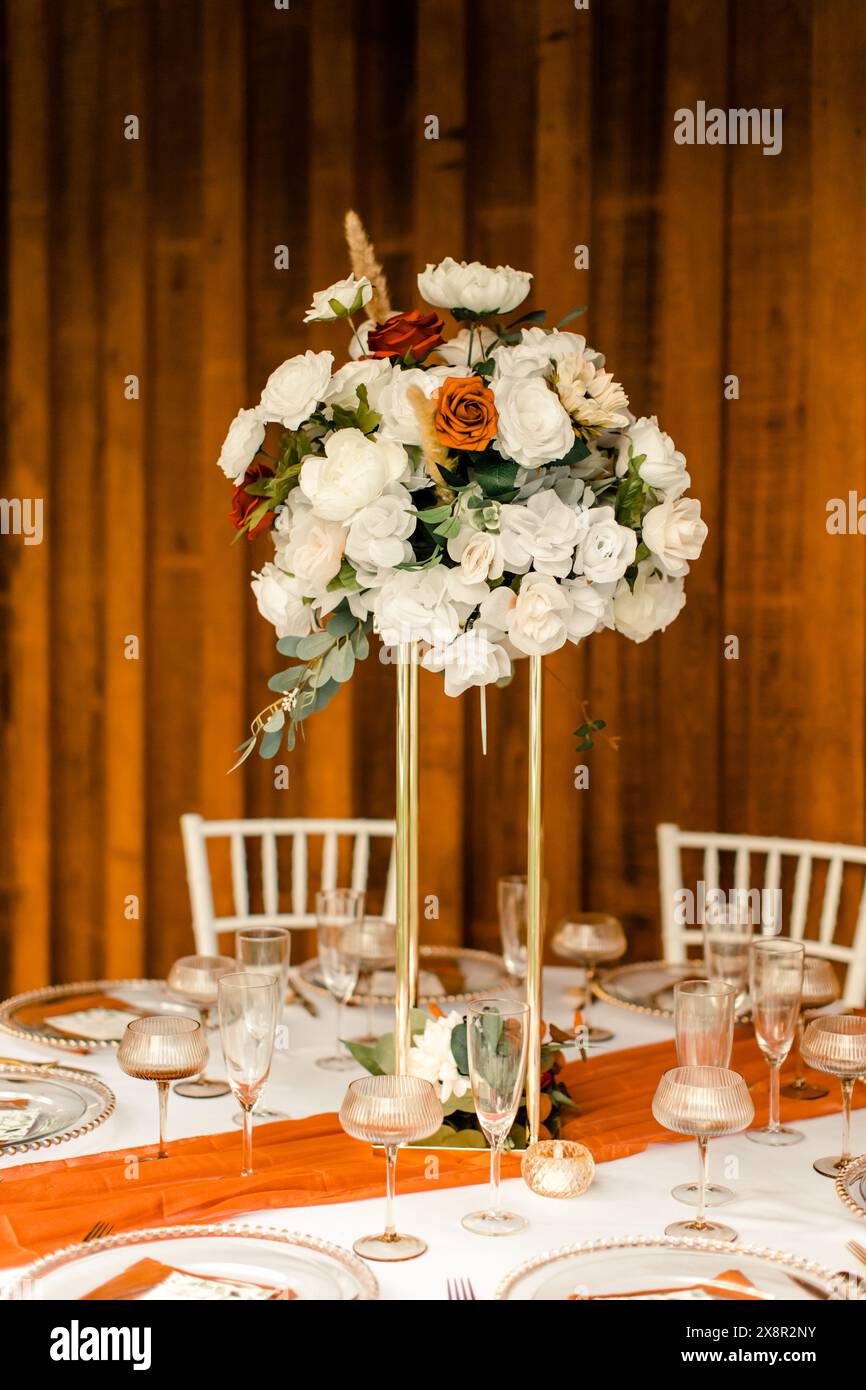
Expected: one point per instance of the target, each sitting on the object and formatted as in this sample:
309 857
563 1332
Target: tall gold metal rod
407 849
413 824
535 920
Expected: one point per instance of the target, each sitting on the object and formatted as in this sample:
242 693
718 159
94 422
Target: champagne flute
775 987
836 1044
820 987
592 939
163 1048
497 1036
265 951
194 980
339 913
390 1110
248 1019
705 1102
704 1022
513 905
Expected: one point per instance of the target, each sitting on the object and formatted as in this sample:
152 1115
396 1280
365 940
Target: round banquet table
781 1202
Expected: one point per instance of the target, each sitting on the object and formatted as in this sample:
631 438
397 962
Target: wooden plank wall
154 258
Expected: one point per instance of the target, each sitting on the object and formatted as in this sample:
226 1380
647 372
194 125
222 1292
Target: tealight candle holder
558 1168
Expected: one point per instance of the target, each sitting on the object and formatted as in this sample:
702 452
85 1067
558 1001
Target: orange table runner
45 1205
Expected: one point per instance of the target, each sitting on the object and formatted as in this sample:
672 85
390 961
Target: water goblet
728 934
390 1110
706 1102
339 913
592 939
820 987
513 906
775 987
704 1023
194 980
248 1006
265 951
163 1048
836 1044
497 1036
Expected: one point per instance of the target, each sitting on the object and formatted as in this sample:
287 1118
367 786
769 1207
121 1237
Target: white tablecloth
781 1202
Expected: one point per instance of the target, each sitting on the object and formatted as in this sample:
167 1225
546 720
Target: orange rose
465 413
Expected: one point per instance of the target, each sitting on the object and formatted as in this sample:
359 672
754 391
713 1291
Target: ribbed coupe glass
820 987
163 1048
836 1044
775 989
706 1102
390 1110
704 1024
591 940
194 980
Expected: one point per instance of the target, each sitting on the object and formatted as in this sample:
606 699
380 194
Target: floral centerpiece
488 495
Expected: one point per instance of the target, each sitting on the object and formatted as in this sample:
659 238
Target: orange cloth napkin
46 1205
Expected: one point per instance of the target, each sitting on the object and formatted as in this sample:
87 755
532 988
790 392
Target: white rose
280 600
664 467
607 549
295 389
471 659
518 527
456 350
353 473
358 345
343 389
478 553
650 607
309 547
378 535
473 286
533 427
559 529
399 420
241 444
557 345
675 533
350 294
418 606
534 618
590 608
538 349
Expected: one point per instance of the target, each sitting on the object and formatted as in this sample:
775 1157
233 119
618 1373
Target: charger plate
312 1268
666 1267
460 976
26 1015
68 1103
851 1187
646 987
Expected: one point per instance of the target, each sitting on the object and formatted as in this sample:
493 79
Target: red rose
403 333
244 504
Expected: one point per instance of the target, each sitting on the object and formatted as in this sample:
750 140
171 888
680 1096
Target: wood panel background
259 124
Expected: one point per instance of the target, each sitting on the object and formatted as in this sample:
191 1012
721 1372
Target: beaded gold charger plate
647 987
88 1016
43 1106
851 1187
446 975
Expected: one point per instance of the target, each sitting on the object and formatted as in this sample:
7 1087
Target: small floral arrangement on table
439 1054
488 495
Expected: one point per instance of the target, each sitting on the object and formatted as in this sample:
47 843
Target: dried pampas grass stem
363 255
434 452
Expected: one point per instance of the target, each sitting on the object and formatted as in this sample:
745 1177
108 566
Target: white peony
372 372
650 607
431 1058
241 444
590 610
425 605
591 396
379 533
456 350
309 547
675 533
280 600
533 427
350 294
664 467
539 350
477 288
478 553
534 619
471 659
293 391
606 551
353 473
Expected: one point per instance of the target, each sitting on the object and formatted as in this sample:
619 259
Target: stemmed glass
728 934
163 1048
513 905
378 947
591 940
820 987
248 1005
194 980
265 951
706 1102
775 987
390 1110
704 1022
339 913
836 1044
497 1036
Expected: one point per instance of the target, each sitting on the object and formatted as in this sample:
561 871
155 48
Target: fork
98 1231
857 1250
460 1291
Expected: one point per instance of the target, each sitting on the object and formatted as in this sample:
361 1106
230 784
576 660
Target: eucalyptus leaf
276 722
288 646
341 662
270 744
286 680
314 645
364 1055
360 643
459 1049
342 621
569 318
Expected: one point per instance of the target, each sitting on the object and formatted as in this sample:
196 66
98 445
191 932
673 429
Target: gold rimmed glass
497 1037
836 1044
704 1023
775 988
248 1006
163 1048
194 980
339 914
706 1102
591 940
820 987
390 1110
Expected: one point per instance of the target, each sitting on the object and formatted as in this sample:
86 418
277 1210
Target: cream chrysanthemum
591 396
